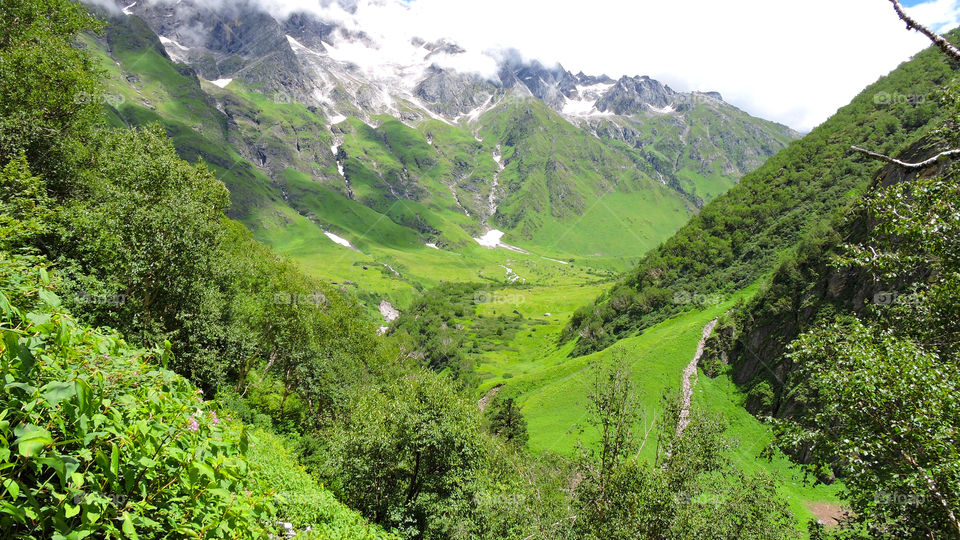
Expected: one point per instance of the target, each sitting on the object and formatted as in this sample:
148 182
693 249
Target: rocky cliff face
632 95
799 296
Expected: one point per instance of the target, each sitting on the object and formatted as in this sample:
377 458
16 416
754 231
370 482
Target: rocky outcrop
633 95
450 93
801 294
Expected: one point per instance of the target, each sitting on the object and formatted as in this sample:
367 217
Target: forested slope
739 236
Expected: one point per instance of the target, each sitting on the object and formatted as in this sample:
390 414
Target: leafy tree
691 491
881 392
409 452
25 211
50 96
507 422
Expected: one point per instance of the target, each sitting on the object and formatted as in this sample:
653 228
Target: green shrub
96 438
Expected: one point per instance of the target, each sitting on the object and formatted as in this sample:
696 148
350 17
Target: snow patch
129 9
512 276
433 246
492 239
168 41
555 260
594 90
176 51
662 110
336 119
334 149
579 107
473 115
339 240
296 45
222 83
492 199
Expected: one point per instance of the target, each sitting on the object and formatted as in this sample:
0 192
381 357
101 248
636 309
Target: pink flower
213 415
194 425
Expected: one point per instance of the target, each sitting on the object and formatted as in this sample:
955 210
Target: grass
552 389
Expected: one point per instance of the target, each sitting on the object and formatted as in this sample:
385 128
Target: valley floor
537 296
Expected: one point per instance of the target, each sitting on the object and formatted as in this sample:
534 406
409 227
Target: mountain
321 130
739 237
490 198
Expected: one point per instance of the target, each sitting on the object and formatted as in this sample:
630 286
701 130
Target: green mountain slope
391 187
738 237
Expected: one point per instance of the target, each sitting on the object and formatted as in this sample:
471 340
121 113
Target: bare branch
937 39
905 164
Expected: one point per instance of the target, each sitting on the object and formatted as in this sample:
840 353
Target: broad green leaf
31 439
23 386
49 298
7 308
55 392
12 488
70 510
11 341
128 528
26 361
205 470
115 461
83 391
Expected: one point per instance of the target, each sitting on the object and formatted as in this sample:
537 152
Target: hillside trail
488 397
688 374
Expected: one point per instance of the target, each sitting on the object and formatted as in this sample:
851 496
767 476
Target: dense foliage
154 301
98 438
691 491
880 392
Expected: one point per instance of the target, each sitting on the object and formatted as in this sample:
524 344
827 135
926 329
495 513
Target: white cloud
793 62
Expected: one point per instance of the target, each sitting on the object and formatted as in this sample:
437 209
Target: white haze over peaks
788 61
794 62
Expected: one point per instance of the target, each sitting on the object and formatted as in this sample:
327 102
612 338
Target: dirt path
488 397
688 374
